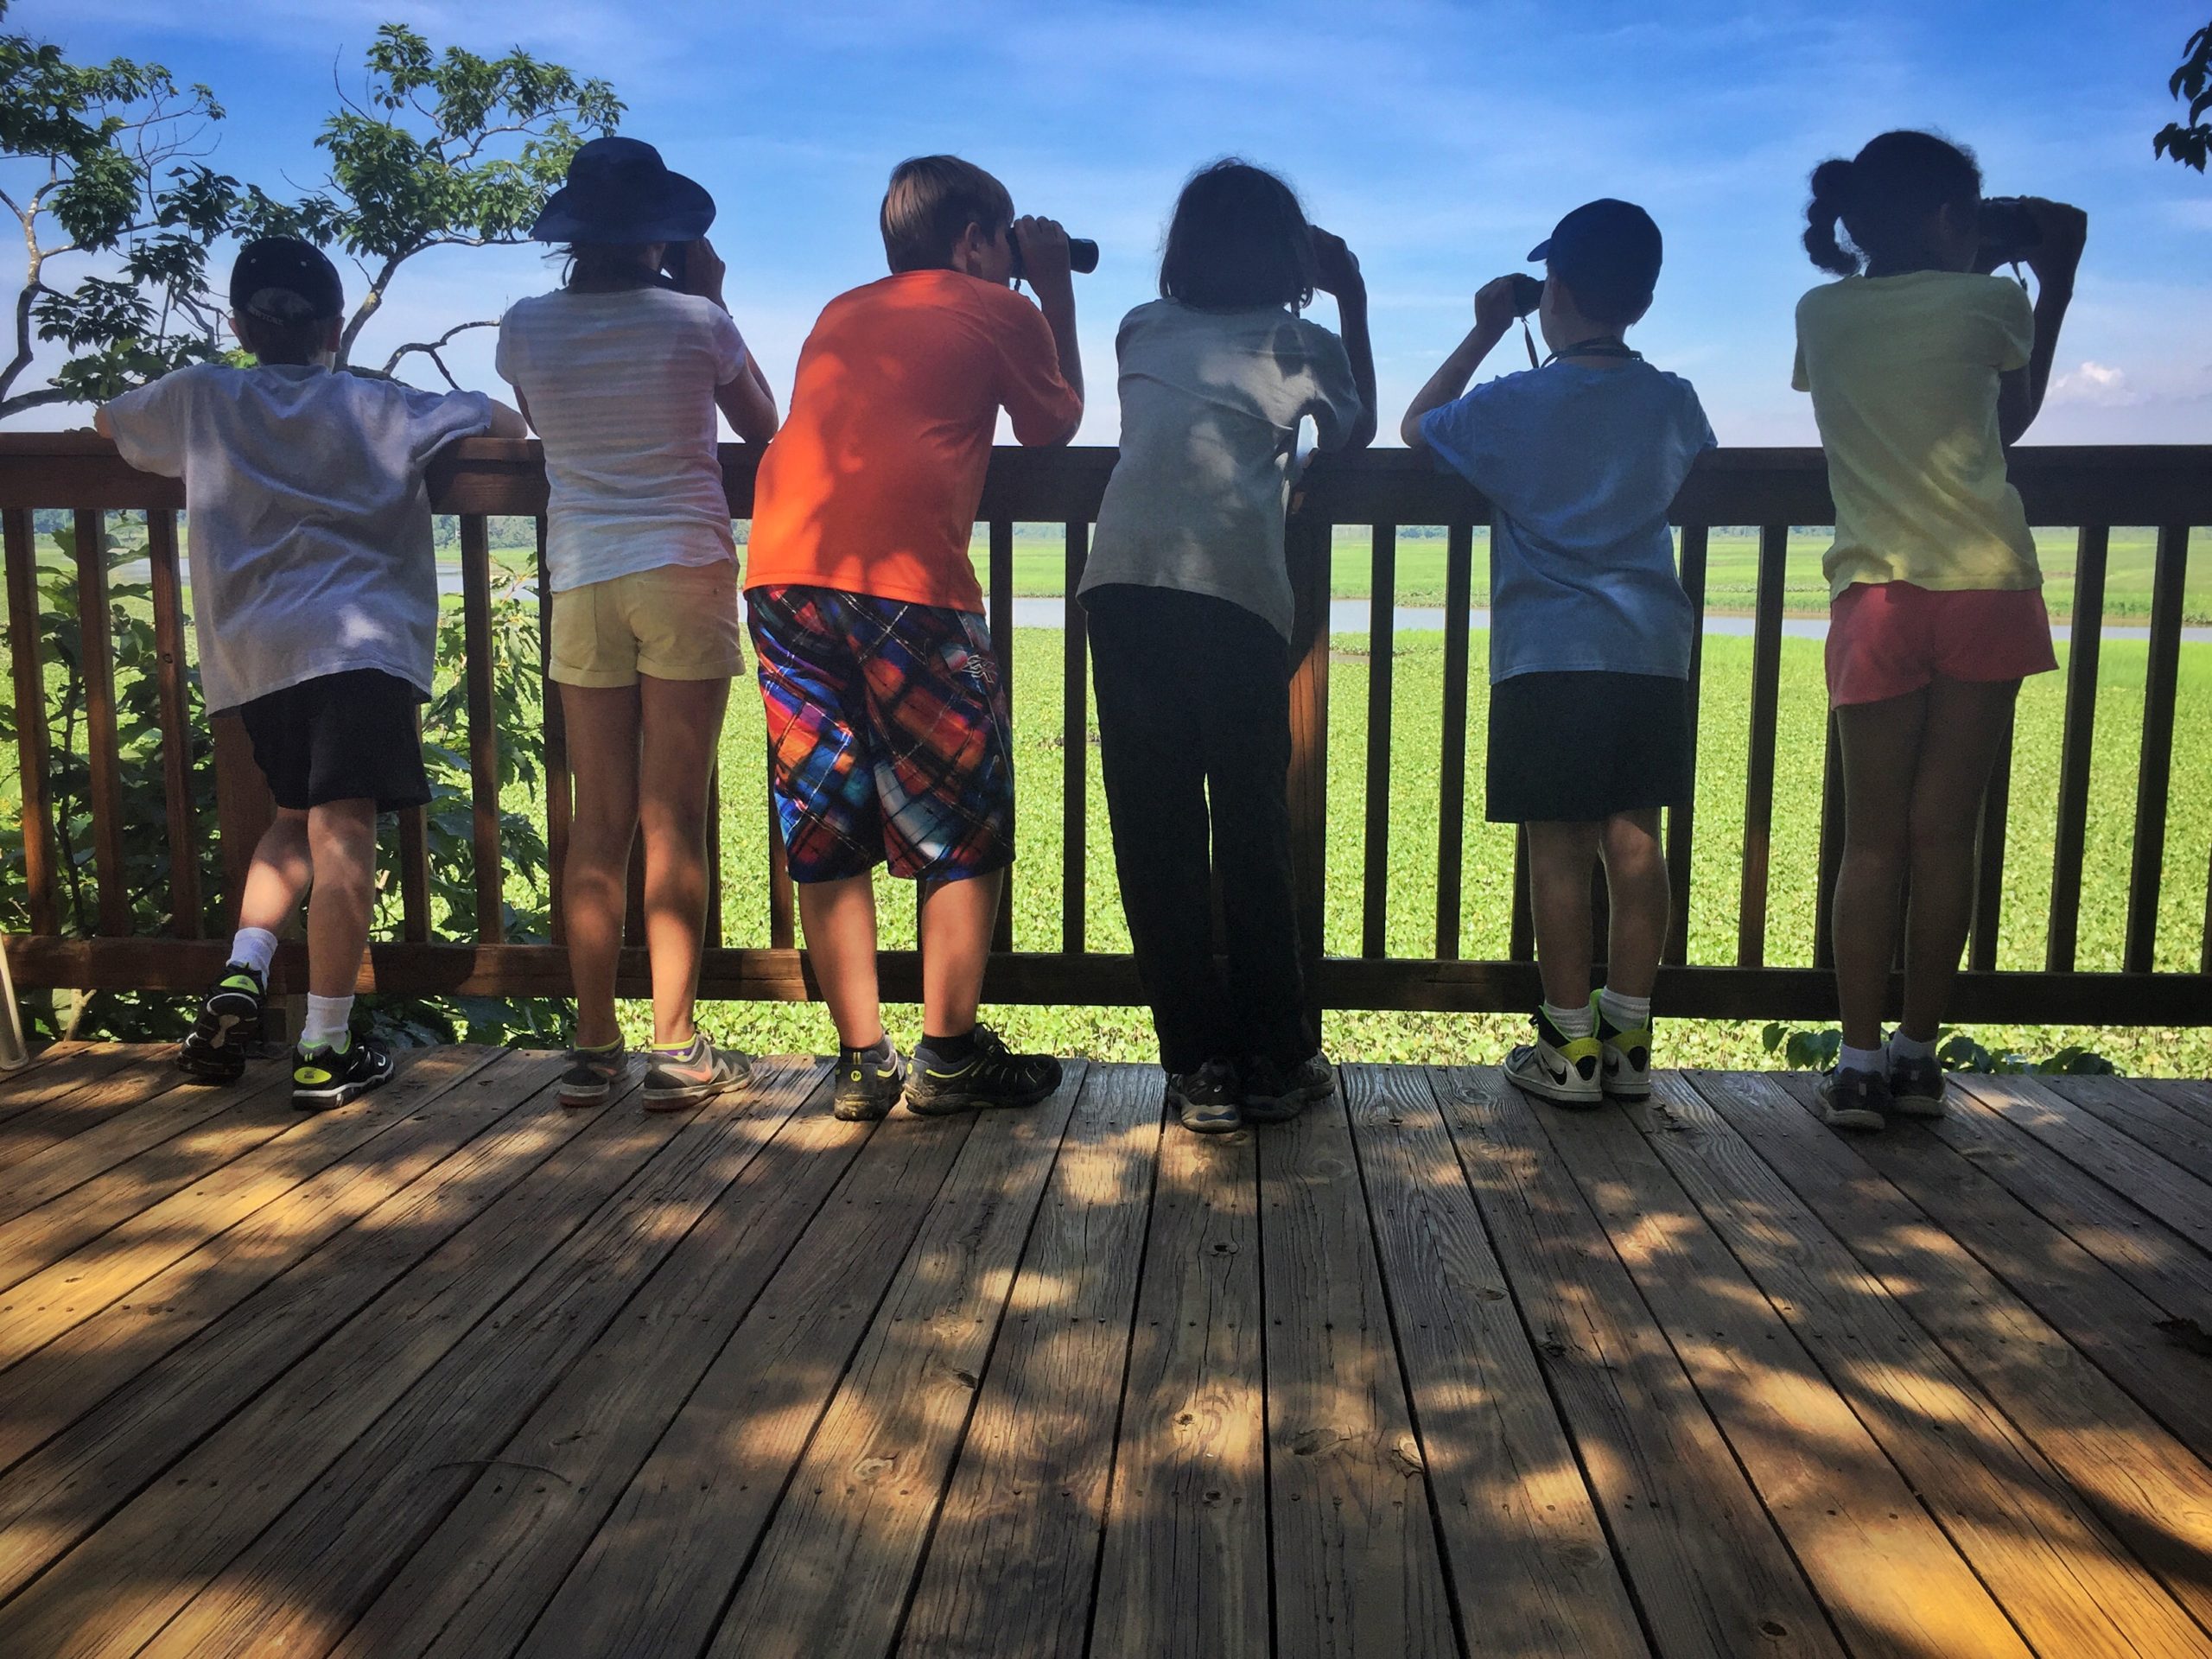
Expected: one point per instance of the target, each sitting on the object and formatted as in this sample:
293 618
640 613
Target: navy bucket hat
1607 251
620 191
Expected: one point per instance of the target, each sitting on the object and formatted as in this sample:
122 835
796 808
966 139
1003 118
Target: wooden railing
2093 489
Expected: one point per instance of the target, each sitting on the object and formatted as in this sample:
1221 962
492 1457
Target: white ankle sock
1624 1012
325 1026
254 948
1876 1060
1572 1022
1902 1047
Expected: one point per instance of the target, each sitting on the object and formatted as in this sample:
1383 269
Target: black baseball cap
1608 252
283 279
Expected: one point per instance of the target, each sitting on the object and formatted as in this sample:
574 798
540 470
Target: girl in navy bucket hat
621 371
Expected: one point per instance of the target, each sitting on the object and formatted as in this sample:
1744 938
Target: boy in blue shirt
1590 629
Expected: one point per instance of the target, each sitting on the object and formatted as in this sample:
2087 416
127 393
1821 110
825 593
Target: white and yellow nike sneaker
1626 1068
1562 1069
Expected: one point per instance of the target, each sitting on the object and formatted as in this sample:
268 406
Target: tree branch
431 348
38 399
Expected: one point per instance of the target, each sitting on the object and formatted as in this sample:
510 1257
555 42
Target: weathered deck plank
455 1372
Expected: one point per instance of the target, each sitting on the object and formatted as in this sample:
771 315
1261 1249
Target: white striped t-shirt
621 389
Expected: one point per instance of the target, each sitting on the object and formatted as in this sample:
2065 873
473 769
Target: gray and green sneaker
987 1075
215 1050
1851 1099
593 1074
1917 1086
325 1076
868 1082
677 1078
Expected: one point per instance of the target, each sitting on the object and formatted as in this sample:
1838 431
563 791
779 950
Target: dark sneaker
215 1050
1275 1093
1624 1068
989 1077
869 1083
1207 1101
324 1077
1566 1071
1917 1087
593 1074
1851 1099
690 1075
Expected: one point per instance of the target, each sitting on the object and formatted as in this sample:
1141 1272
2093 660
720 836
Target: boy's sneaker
869 1083
229 1023
593 1074
1851 1099
1567 1070
1624 1068
989 1076
1207 1101
324 1077
1274 1093
1917 1087
694 1073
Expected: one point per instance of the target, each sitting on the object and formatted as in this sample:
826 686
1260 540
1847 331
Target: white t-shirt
621 389
1211 403
308 525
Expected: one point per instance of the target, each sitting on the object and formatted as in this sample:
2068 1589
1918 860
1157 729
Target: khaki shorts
674 622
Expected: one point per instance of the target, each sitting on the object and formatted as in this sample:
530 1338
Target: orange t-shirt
872 485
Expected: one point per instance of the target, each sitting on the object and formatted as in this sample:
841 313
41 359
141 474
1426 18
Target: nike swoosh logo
1559 1075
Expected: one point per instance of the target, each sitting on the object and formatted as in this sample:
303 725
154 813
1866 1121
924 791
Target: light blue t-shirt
1581 464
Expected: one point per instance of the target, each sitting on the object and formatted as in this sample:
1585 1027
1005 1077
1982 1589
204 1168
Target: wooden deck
1436 1371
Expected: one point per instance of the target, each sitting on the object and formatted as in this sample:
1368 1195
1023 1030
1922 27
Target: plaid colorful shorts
888 735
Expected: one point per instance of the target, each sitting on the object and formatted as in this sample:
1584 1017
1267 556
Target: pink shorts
1890 639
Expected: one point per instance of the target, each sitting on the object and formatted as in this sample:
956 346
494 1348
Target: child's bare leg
1881 746
682 722
839 918
602 733
342 837
282 870
1561 859
1637 900
956 921
1966 727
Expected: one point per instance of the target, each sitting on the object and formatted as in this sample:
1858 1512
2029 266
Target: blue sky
1442 140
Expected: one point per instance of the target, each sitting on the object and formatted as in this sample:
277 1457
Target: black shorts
1577 748
341 737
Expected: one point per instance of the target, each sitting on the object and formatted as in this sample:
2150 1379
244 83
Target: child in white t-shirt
315 597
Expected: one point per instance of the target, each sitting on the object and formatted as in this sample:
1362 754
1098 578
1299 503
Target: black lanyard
1604 346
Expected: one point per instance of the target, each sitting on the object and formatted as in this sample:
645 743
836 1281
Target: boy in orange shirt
888 735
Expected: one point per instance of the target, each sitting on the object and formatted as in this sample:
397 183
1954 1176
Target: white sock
254 948
1574 1022
1876 1060
1624 1012
1902 1047
326 1022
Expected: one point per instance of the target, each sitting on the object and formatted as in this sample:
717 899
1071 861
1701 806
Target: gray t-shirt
308 525
1211 403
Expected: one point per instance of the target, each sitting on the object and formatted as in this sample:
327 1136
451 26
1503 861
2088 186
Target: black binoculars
1082 253
2009 229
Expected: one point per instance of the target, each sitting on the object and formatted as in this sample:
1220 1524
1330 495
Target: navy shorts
1579 747
340 737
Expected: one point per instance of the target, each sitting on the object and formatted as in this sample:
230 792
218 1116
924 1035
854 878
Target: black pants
1194 709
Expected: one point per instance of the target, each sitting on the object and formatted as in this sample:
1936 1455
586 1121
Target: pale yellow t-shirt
1903 374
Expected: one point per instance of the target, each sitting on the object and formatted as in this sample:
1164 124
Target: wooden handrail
2093 488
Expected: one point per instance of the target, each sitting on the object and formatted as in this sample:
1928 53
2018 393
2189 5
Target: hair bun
1832 181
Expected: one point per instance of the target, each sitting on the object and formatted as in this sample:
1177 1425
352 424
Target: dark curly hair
1884 197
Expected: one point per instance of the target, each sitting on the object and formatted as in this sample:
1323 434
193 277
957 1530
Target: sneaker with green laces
326 1077
868 1083
215 1050
1562 1069
593 1074
987 1076
1625 1069
685 1076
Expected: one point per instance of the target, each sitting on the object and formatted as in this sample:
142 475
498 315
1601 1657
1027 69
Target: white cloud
2098 384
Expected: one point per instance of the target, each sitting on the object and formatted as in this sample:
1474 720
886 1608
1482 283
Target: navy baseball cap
283 279
1608 252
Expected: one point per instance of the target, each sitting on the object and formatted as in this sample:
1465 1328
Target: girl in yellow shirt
1923 367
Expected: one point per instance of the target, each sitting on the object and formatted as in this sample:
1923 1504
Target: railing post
33 746
558 800
1075 743
176 725
1758 767
1452 756
1002 622
2159 680
103 743
489 867
1681 820
2069 834
1382 643
1307 544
